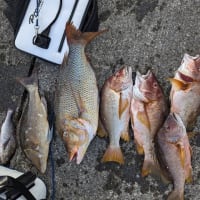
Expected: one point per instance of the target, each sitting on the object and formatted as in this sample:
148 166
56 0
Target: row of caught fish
160 136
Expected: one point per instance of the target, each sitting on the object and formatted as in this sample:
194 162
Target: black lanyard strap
43 40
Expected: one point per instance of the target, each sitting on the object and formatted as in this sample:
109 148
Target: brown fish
33 129
174 154
7 139
148 111
115 101
185 91
76 99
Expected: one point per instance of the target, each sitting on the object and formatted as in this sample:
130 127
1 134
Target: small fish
77 99
174 154
34 131
185 90
148 111
7 139
115 101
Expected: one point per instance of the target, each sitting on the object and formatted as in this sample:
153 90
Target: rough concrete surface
143 34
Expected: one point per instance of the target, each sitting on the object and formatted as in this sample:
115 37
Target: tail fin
113 154
77 37
176 195
29 82
151 166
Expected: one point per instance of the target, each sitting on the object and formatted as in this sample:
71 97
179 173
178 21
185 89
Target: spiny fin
113 154
179 85
189 179
182 153
143 118
77 37
176 195
28 82
79 102
125 136
101 132
64 62
123 105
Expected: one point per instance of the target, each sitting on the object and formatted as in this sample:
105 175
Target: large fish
148 111
7 139
116 96
34 131
174 154
76 99
185 91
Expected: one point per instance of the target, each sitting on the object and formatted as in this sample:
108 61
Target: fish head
38 158
174 126
189 70
146 87
121 80
76 138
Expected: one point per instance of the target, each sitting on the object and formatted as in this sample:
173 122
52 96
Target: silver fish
7 139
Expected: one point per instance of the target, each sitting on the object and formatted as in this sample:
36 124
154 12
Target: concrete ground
143 34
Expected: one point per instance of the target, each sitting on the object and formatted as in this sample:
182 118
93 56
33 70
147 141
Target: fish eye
155 85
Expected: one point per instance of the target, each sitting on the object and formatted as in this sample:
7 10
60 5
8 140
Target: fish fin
139 148
74 36
176 195
79 102
181 152
101 132
29 82
143 118
113 154
179 85
44 102
64 62
189 179
123 105
50 134
125 136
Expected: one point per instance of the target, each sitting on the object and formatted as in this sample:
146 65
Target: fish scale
76 99
77 80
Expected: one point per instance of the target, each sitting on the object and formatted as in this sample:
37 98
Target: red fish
116 96
148 111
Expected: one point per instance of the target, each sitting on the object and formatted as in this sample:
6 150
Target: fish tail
148 167
113 154
77 37
29 82
151 166
176 195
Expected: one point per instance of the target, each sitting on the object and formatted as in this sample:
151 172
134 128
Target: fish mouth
77 154
137 93
185 77
189 68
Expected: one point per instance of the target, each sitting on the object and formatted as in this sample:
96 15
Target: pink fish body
185 90
116 96
148 111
